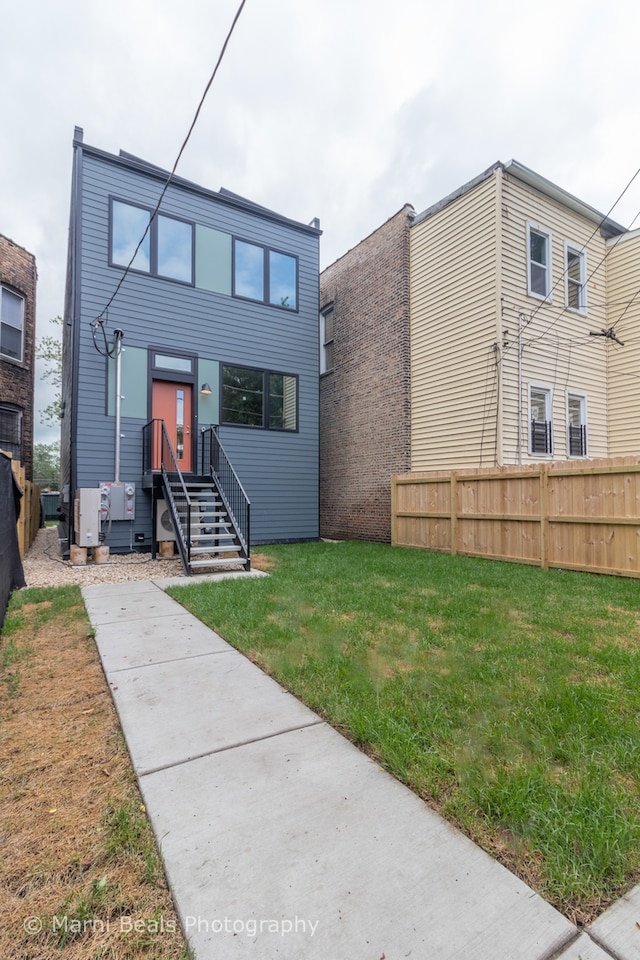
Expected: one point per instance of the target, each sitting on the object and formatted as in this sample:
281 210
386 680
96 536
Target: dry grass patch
79 872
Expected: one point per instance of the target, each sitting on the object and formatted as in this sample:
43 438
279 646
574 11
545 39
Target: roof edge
459 192
609 227
226 197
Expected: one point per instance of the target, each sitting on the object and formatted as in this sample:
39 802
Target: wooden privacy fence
577 515
29 520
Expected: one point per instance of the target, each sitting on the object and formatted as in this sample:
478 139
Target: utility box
86 513
117 501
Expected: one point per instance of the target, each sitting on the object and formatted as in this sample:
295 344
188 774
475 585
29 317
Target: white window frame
582 255
324 343
548 392
3 322
541 231
582 398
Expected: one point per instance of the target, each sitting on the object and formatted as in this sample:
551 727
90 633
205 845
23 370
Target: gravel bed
44 567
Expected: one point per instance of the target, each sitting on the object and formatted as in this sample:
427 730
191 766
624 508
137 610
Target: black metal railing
578 440
541 438
158 454
215 463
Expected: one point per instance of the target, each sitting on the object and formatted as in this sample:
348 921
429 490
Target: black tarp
11 574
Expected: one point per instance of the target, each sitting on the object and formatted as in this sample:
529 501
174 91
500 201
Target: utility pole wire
98 320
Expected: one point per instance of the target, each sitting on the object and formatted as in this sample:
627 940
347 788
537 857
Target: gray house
190 366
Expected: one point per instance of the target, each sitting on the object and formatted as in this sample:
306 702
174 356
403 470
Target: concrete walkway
280 839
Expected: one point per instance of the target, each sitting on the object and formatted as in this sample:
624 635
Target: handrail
221 470
167 455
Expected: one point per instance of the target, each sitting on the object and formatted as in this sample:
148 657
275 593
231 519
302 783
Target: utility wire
98 320
597 227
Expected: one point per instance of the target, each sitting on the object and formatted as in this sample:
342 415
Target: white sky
340 109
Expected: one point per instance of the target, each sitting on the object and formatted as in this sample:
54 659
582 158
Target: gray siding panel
280 470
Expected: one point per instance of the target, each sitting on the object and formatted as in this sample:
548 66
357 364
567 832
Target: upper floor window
575 278
326 340
538 262
165 250
11 324
259 398
540 417
576 425
175 249
265 275
11 430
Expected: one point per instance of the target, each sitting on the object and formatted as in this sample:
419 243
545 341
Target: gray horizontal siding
280 470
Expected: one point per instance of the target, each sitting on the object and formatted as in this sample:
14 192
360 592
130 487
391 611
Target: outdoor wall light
205 389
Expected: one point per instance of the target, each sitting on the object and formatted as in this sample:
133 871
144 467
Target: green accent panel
213 260
208 407
134 384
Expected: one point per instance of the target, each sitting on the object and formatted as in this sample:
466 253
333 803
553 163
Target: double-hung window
162 248
259 398
326 340
540 419
575 278
11 324
538 262
576 425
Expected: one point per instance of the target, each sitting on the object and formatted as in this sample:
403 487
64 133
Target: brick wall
365 429
18 273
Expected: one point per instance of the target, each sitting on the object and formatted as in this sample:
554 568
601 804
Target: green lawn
507 696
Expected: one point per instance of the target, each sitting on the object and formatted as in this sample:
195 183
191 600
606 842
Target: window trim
20 296
582 255
266 375
266 274
542 232
582 397
548 391
152 234
324 367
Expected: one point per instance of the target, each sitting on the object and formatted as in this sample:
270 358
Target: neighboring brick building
17 351
365 427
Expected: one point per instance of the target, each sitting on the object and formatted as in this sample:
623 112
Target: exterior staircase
205 530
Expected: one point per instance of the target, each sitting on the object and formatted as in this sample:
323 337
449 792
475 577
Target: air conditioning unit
164 527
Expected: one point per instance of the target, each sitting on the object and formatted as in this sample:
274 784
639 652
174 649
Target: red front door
171 402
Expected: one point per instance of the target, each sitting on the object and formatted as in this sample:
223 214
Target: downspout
75 251
117 337
499 332
520 325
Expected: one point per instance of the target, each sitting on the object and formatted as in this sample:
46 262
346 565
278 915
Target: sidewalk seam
231 746
155 663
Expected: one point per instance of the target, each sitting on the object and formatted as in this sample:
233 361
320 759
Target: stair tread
229 548
224 562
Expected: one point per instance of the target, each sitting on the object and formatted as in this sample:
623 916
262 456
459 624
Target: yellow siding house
515 342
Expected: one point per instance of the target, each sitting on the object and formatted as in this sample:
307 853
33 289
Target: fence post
453 507
394 510
544 516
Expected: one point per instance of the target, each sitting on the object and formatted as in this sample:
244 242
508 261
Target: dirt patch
260 561
79 871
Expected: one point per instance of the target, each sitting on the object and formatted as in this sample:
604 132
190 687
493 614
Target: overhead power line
99 319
